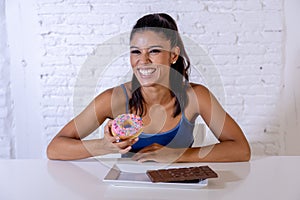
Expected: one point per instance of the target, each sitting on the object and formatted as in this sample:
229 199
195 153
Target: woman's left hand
158 153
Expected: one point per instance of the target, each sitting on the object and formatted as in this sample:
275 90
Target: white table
276 178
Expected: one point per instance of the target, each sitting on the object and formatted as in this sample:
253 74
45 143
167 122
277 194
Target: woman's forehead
146 39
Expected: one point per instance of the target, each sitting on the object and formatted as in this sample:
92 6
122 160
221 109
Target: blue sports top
180 136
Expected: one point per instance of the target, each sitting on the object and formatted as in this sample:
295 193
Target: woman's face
150 57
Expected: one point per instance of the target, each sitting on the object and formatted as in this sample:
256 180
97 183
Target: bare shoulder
200 98
105 95
113 92
112 101
199 90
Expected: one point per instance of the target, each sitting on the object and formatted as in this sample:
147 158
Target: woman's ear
175 54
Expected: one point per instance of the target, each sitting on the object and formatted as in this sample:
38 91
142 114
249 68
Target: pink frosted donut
127 126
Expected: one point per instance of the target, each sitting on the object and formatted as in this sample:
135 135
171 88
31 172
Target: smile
146 71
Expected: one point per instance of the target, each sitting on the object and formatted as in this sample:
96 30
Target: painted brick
249 5
272 5
63 9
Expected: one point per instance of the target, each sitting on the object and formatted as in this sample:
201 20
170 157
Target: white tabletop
261 178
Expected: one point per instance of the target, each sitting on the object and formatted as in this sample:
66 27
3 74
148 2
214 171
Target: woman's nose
144 58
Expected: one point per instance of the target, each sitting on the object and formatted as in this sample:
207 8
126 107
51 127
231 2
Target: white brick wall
291 94
6 138
243 38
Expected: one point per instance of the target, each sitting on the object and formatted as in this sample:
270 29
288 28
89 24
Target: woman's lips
147 75
146 71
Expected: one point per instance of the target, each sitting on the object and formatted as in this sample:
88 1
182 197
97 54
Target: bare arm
68 143
233 145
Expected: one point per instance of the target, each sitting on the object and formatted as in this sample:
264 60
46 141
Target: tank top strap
127 98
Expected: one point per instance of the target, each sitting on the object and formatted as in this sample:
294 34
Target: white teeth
147 71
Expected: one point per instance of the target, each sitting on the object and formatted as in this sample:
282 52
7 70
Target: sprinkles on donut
127 126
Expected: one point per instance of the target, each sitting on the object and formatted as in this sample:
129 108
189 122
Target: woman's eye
135 52
155 51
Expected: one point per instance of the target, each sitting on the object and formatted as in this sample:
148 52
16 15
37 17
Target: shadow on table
229 173
79 180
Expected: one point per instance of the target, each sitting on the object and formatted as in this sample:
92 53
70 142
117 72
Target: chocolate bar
185 175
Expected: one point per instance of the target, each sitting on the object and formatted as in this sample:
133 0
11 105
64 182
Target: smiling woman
161 94
148 48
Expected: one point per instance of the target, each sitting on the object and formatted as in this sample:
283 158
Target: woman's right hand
114 143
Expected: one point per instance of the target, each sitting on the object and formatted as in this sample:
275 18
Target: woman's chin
147 83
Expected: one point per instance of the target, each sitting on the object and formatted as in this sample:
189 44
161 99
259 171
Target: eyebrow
154 46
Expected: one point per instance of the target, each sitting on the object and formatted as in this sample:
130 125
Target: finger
107 127
144 157
144 160
108 136
115 139
126 150
133 141
111 138
125 143
122 145
139 156
109 124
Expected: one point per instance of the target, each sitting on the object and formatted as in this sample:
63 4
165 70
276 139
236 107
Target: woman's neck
156 95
